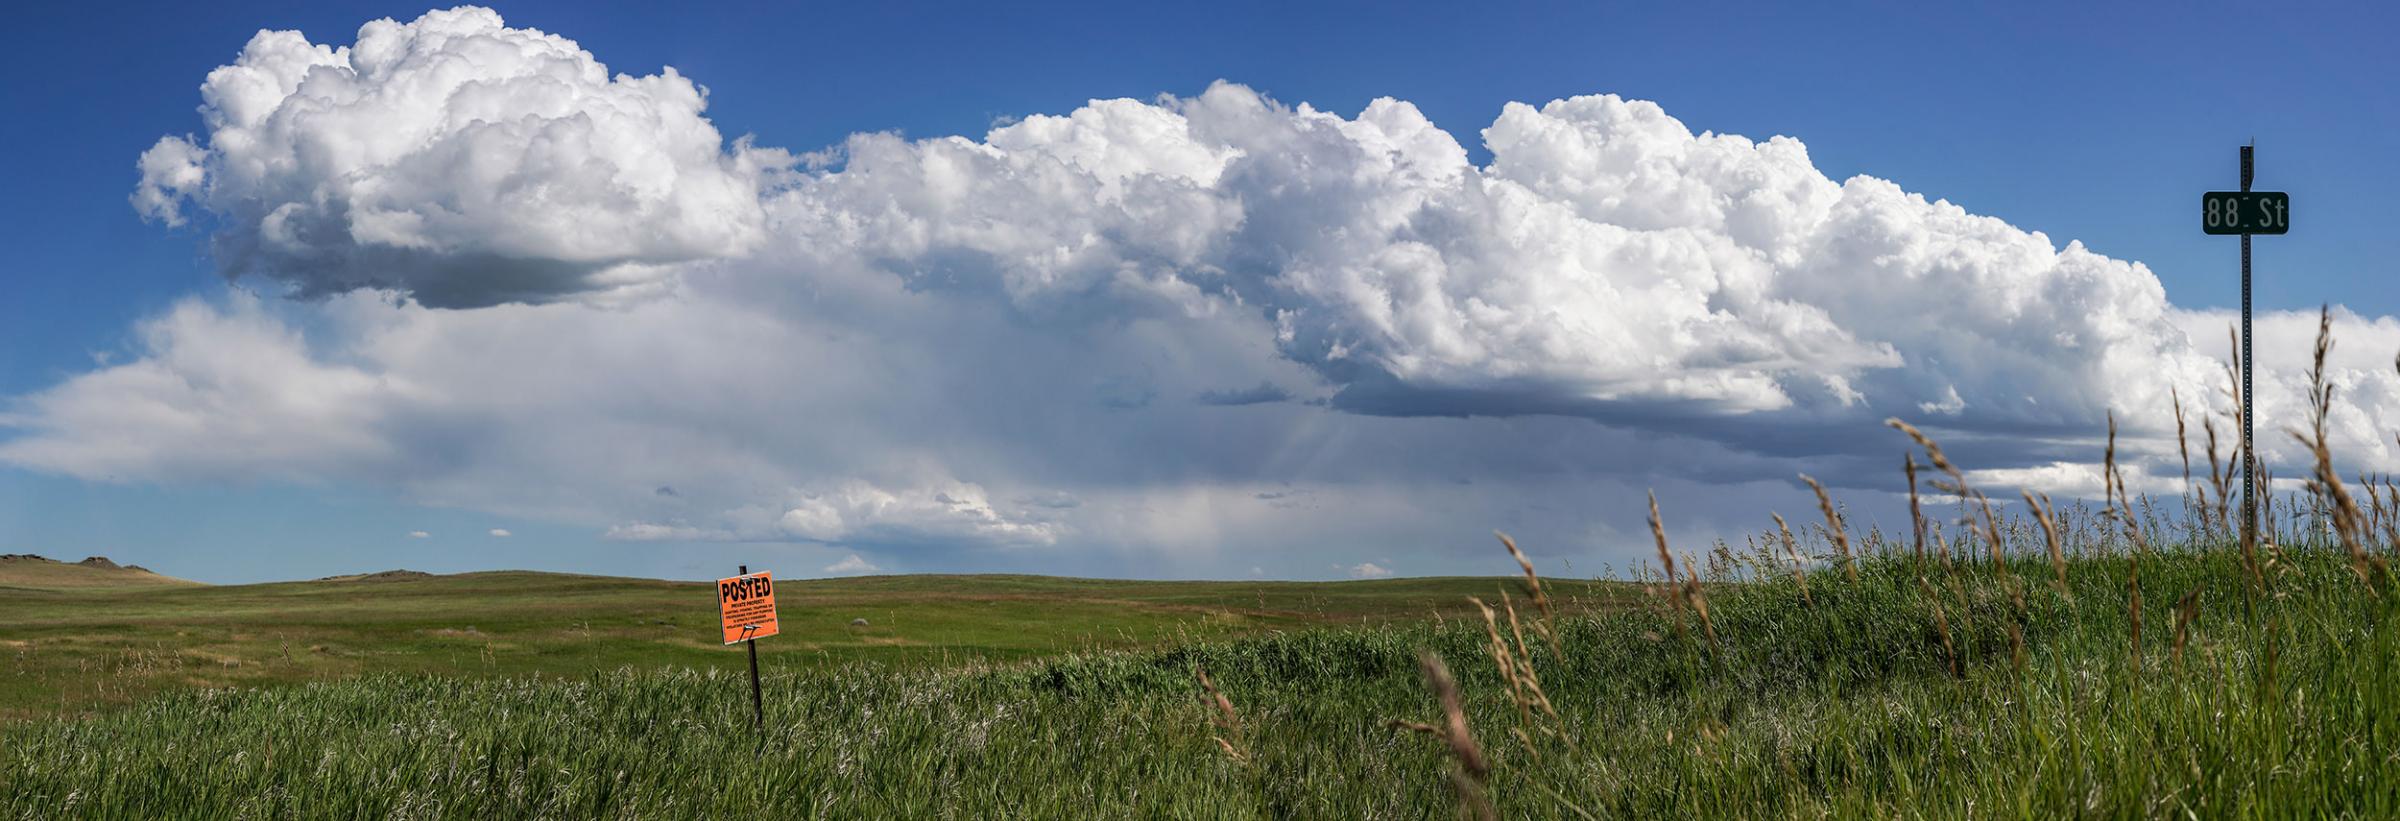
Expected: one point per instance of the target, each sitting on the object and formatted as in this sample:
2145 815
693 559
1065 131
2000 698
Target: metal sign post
746 612
2246 212
758 702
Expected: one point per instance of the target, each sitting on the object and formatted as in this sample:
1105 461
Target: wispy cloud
1368 570
852 565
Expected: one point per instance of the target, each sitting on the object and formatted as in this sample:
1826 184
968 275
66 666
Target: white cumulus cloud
457 159
1608 260
952 510
852 565
213 391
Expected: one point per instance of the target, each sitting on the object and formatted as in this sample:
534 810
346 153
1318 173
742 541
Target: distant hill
29 571
380 576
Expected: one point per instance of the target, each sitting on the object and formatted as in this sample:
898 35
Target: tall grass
1847 706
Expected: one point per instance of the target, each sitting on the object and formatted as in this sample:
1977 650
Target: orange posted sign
747 604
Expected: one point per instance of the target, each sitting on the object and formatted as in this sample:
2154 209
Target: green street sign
2245 212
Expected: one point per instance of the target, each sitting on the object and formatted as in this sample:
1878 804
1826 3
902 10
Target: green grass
2282 705
66 651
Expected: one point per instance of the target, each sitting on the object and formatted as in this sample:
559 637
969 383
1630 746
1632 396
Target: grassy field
89 643
1899 694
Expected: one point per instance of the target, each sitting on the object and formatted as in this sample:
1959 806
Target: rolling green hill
76 645
18 570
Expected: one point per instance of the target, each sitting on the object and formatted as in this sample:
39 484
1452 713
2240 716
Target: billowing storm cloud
1184 326
457 159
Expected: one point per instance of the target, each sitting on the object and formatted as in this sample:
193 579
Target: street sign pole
758 702
2246 212
2249 462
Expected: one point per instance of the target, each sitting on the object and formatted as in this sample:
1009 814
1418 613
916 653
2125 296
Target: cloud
1260 394
1368 570
852 565
657 532
501 533
1609 263
951 510
213 391
458 160
419 534
1170 335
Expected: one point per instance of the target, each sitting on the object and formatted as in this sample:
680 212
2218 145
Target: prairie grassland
2274 704
78 649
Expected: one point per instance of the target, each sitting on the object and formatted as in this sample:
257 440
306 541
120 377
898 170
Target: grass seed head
1799 565
1833 526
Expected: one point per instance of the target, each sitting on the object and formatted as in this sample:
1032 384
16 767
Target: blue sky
2099 125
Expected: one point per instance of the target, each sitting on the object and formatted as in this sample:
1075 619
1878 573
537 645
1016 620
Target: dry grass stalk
2391 523
1958 592
1526 741
1941 627
2042 510
1516 666
1674 590
1991 534
2112 480
2391 514
2186 610
2242 456
1502 657
1933 451
2328 484
2108 469
2016 647
1699 599
2133 606
2265 487
1689 593
1991 531
1530 682
1517 629
1533 582
1799 565
1228 722
1833 527
1659 532
1916 512
2374 517
1471 800
1956 485
2216 477
1473 770
2183 448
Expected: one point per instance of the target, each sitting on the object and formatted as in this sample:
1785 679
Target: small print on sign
747 604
